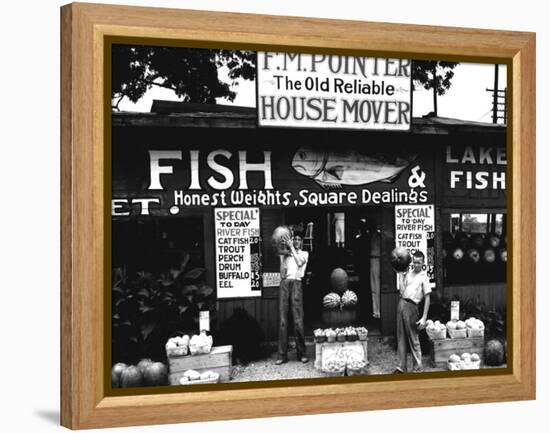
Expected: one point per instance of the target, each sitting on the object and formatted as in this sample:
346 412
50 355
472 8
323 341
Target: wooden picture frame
84 219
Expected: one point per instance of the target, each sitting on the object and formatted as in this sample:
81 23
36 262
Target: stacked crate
218 360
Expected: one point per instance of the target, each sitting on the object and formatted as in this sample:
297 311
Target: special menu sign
414 230
329 91
238 262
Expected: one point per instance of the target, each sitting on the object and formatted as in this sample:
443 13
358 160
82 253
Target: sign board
263 173
331 91
204 320
475 173
271 279
414 230
455 310
238 260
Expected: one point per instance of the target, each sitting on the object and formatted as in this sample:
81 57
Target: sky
467 99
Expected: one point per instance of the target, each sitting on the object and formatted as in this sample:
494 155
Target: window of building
474 247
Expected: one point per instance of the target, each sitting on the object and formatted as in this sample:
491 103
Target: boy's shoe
280 361
418 370
304 359
398 370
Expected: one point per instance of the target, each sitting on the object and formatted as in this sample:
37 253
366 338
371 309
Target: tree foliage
422 74
190 72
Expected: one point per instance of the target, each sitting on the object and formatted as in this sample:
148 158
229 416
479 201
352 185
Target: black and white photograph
287 216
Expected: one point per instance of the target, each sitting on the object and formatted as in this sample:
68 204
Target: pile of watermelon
333 300
477 257
145 373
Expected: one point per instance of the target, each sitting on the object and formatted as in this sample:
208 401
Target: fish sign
333 169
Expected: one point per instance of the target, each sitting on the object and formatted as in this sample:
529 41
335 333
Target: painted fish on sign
336 168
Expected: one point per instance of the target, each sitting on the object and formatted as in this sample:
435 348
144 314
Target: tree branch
160 85
118 102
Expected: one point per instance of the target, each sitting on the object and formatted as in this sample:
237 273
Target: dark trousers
365 294
407 334
290 295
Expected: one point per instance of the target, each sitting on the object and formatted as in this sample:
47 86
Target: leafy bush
149 308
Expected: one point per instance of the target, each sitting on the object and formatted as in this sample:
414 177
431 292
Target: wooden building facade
205 149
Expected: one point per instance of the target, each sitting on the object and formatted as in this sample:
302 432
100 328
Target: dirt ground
382 359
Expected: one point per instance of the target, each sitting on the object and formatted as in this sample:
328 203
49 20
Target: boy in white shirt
413 286
293 266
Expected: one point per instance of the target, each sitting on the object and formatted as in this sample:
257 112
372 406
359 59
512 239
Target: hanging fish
332 169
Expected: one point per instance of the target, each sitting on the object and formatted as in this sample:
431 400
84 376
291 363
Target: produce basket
331 338
352 337
438 334
456 333
177 346
362 333
320 338
476 332
459 366
473 365
177 351
200 344
341 337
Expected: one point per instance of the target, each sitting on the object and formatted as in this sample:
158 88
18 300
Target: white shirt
413 286
290 269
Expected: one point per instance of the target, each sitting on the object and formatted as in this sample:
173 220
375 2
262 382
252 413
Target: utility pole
495 95
499 100
434 72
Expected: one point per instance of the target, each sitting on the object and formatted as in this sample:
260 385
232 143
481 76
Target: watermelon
458 254
489 255
494 240
339 280
400 259
278 239
156 374
503 255
143 364
116 372
473 255
494 353
477 241
131 377
349 298
331 301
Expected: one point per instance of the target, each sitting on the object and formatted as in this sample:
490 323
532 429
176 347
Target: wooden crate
319 350
218 360
200 381
224 372
442 349
337 318
457 333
